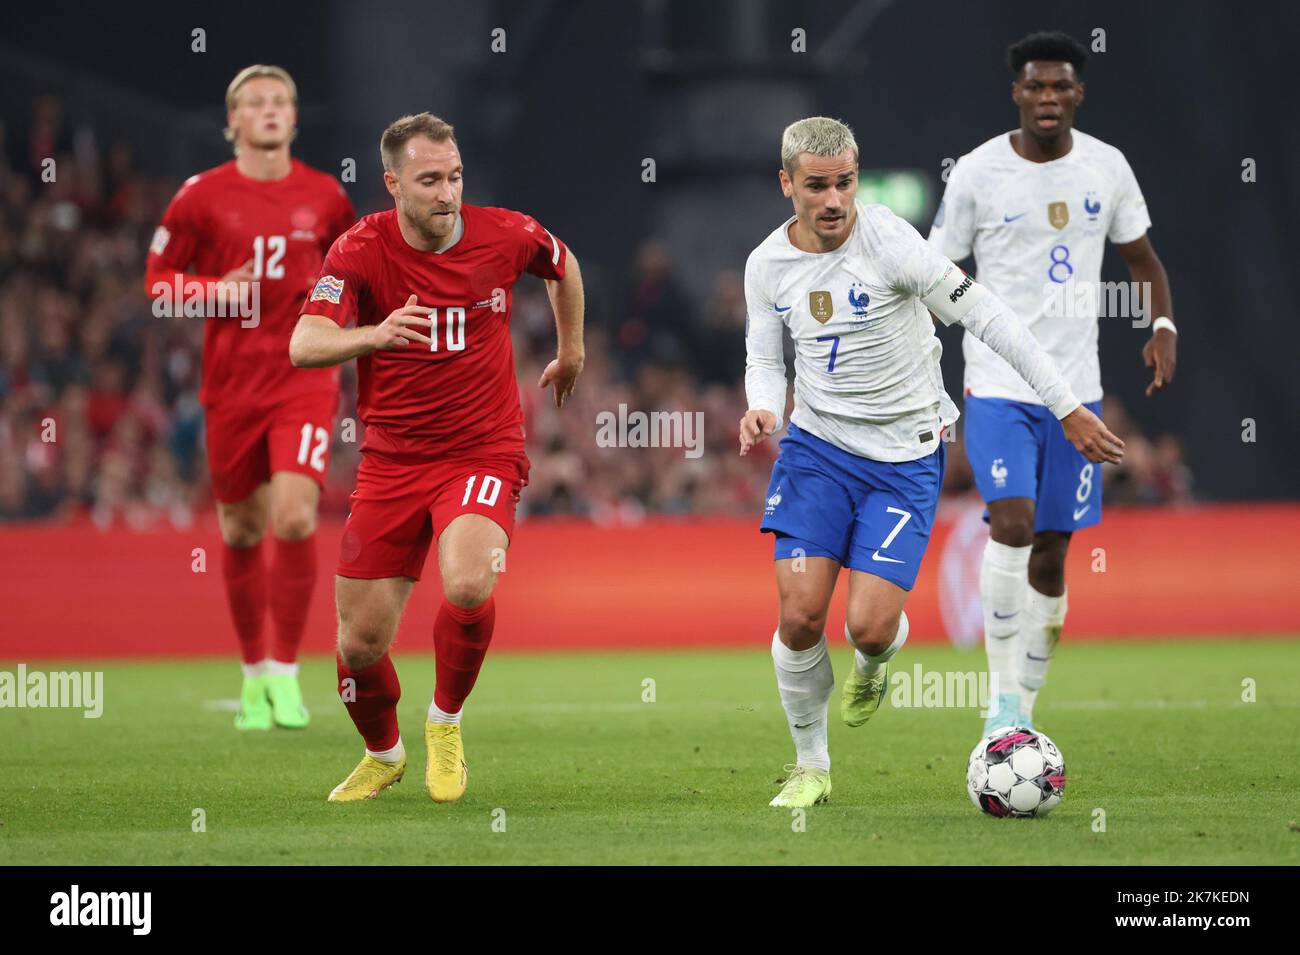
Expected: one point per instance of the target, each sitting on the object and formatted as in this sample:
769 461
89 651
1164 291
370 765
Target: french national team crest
821 306
1058 214
859 299
328 289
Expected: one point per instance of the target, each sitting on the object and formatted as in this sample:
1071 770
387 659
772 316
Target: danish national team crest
328 289
821 306
1058 214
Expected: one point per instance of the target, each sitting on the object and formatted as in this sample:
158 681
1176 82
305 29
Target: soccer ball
1015 772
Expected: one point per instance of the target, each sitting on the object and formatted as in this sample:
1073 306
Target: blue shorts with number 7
868 515
1020 450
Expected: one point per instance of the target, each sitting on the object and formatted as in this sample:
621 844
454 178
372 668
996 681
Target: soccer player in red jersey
429 283
255 230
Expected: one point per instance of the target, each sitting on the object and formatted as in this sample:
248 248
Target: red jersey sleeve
541 253
175 242
341 279
345 215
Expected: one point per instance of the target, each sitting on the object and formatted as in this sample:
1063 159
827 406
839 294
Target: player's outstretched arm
319 342
997 326
567 302
1160 353
956 297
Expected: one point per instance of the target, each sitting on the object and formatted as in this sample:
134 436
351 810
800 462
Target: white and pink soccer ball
1015 772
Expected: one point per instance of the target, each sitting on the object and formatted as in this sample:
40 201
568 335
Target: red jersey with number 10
458 395
221 219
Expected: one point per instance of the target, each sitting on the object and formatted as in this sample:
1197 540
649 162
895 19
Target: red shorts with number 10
403 503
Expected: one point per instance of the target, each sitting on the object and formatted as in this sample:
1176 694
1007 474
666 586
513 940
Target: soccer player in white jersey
1036 206
857 478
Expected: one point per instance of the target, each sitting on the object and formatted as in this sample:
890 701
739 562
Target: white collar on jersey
456 233
1074 149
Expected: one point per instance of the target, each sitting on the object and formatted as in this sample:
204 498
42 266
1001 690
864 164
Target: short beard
421 224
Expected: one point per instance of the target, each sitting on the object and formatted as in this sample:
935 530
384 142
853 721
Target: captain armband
954 295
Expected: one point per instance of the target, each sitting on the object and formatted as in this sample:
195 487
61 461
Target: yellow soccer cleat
804 787
862 695
370 778
446 775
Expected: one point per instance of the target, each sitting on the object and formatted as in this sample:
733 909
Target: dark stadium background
559 126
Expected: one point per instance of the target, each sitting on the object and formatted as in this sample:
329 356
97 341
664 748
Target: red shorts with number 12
246 445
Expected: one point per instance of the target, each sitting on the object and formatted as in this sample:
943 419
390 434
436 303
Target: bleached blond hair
251 73
819 135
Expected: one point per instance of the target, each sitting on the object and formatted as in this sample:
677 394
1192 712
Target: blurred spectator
718 354
658 323
1171 477
45 138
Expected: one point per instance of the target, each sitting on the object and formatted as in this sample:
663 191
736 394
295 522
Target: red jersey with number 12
221 219
458 395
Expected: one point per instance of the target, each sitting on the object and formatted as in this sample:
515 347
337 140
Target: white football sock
805 681
1044 618
437 715
1004 578
868 665
253 670
393 755
276 668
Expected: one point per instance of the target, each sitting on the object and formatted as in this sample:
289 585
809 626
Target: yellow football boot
370 778
446 774
804 787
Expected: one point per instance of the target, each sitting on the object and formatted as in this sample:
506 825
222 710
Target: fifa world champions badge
821 306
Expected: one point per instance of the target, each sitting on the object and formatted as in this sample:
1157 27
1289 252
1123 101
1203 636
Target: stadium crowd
99 413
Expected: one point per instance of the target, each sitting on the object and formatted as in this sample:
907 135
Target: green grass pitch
565 753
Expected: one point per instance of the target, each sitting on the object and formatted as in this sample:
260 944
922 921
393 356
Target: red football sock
460 641
372 701
293 577
245 575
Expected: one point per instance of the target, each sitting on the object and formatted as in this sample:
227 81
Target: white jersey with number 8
1038 234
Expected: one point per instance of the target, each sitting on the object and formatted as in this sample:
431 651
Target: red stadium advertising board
1205 571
